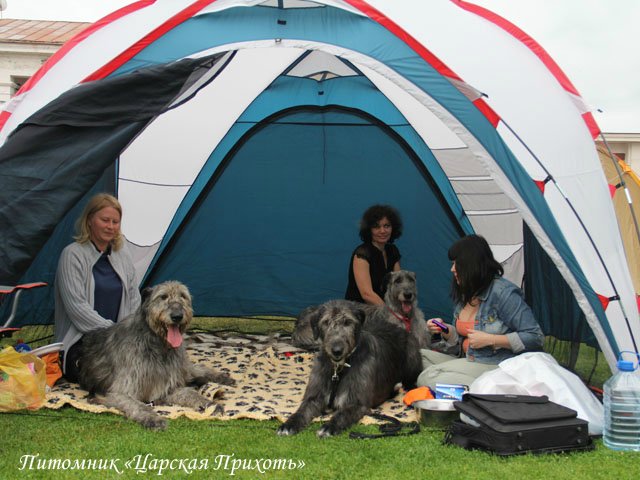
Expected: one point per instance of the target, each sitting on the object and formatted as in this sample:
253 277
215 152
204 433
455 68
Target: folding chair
5 291
13 293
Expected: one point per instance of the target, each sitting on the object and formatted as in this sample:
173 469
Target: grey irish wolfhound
357 367
401 301
142 360
401 308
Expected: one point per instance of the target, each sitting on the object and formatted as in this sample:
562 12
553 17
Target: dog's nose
176 317
336 351
408 296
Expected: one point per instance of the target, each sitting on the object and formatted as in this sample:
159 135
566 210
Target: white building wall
19 61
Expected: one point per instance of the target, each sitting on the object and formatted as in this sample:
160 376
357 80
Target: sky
594 41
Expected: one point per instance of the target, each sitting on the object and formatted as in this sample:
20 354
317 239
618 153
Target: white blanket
538 373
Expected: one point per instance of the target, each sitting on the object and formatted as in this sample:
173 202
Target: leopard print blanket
271 376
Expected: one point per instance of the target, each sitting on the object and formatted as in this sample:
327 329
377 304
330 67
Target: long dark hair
373 215
475 267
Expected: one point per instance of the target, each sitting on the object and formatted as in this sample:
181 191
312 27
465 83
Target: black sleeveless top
377 270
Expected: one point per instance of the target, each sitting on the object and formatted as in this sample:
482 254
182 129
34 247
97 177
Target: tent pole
622 184
584 228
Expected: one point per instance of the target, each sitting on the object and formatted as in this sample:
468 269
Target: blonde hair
95 204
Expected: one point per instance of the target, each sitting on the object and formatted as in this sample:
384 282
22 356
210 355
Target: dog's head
338 326
168 311
402 291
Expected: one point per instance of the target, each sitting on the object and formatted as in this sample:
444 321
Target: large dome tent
245 138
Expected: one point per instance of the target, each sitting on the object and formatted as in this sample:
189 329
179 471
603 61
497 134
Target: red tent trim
147 40
537 50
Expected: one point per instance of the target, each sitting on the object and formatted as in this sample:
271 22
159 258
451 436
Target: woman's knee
429 376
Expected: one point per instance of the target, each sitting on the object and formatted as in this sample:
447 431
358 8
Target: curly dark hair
373 215
475 267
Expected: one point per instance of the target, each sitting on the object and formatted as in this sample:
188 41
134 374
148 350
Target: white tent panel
512 259
485 201
430 128
198 126
524 156
145 160
458 162
506 253
142 257
320 62
498 227
146 222
582 246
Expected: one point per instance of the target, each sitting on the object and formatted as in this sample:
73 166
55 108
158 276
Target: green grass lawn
72 435
63 439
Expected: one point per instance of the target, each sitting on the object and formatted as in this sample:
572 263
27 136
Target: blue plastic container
622 407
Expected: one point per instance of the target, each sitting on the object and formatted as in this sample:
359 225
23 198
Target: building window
17 82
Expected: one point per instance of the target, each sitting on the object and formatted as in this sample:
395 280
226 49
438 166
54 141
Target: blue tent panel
275 231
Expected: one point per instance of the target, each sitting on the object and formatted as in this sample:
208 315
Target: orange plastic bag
420 393
22 381
52 367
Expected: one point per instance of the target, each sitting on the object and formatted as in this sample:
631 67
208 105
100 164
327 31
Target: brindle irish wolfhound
142 360
401 308
357 367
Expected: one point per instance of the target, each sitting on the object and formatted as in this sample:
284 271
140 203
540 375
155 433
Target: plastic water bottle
622 408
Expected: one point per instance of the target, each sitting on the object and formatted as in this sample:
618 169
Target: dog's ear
386 280
360 314
314 319
145 294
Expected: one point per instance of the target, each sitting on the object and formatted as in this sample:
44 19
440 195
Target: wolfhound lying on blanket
401 308
357 368
142 359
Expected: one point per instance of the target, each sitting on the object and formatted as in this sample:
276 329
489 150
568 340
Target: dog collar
403 318
337 369
335 380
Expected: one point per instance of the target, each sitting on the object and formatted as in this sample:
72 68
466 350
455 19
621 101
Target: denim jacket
503 311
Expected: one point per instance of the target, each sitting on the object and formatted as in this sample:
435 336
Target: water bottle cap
625 366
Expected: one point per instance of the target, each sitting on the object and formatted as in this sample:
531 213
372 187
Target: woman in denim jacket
491 323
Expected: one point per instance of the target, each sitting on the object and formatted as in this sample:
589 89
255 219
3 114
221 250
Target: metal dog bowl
436 413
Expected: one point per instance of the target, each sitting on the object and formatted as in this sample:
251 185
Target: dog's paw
325 431
285 431
218 409
225 380
154 422
220 378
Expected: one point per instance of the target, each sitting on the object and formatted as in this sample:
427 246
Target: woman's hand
435 329
479 339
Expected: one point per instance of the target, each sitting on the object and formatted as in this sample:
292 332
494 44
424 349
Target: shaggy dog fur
142 359
401 299
401 308
357 368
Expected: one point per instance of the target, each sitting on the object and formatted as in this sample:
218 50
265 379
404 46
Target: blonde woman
95 283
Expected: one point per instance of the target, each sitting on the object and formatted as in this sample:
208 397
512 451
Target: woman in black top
377 256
